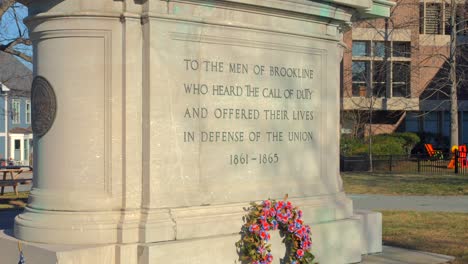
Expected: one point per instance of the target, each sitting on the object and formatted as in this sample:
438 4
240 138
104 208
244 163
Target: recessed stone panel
234 112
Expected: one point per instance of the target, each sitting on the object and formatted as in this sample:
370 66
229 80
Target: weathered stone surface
173 115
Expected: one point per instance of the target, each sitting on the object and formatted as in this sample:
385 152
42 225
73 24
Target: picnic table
13 172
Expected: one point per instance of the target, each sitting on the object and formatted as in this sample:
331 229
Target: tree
453 75
441 65
14 37
15 46
450 82
371 75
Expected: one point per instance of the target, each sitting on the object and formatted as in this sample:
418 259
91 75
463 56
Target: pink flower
299 232
272 211
300 253
265 225
299 213
254 228
305 244
269 258
261 250
279 204
263 235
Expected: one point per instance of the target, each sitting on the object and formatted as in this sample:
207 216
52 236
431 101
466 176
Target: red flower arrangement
268 216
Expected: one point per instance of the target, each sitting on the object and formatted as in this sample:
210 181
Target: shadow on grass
399 245
10 207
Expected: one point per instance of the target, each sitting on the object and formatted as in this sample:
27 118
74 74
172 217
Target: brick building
396 69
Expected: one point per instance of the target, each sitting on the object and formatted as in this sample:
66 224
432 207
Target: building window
15 111
378 79
462 22
360 77
360 48
379 49
413 122
401 79
28 112
431 122
435 18
401 49
446 124
372 70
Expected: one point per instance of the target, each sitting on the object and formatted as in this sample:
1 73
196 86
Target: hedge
383 144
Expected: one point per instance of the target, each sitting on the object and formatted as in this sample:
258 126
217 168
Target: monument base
343 241
335 242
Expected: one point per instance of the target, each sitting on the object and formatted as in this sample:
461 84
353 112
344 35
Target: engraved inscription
44 106
282 100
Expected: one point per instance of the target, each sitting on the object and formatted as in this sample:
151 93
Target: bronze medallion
44 106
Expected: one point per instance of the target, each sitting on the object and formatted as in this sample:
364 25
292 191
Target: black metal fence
440 163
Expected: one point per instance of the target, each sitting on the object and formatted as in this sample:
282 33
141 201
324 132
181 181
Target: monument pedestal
158 122
343 241
333 242
208 234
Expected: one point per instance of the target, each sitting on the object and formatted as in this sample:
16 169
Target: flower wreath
273 215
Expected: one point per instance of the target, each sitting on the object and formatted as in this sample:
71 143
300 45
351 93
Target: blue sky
9 29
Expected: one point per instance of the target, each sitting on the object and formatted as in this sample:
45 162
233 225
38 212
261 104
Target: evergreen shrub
383 144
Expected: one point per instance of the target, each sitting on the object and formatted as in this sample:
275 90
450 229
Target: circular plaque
44 106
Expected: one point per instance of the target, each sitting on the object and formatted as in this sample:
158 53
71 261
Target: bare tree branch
5 5
17 22
9 48
14 44
19 54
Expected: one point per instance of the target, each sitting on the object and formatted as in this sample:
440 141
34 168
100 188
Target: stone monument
156 122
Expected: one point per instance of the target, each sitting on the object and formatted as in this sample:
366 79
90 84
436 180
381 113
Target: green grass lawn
437 232
10 201
405 184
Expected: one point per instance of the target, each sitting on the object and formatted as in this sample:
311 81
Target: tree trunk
453 76
371 165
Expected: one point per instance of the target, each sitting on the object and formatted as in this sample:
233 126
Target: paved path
393 255
416 203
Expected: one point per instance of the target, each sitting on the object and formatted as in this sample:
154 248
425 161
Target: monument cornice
291 8
367 9
379 8
338 10
286 8
149 15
